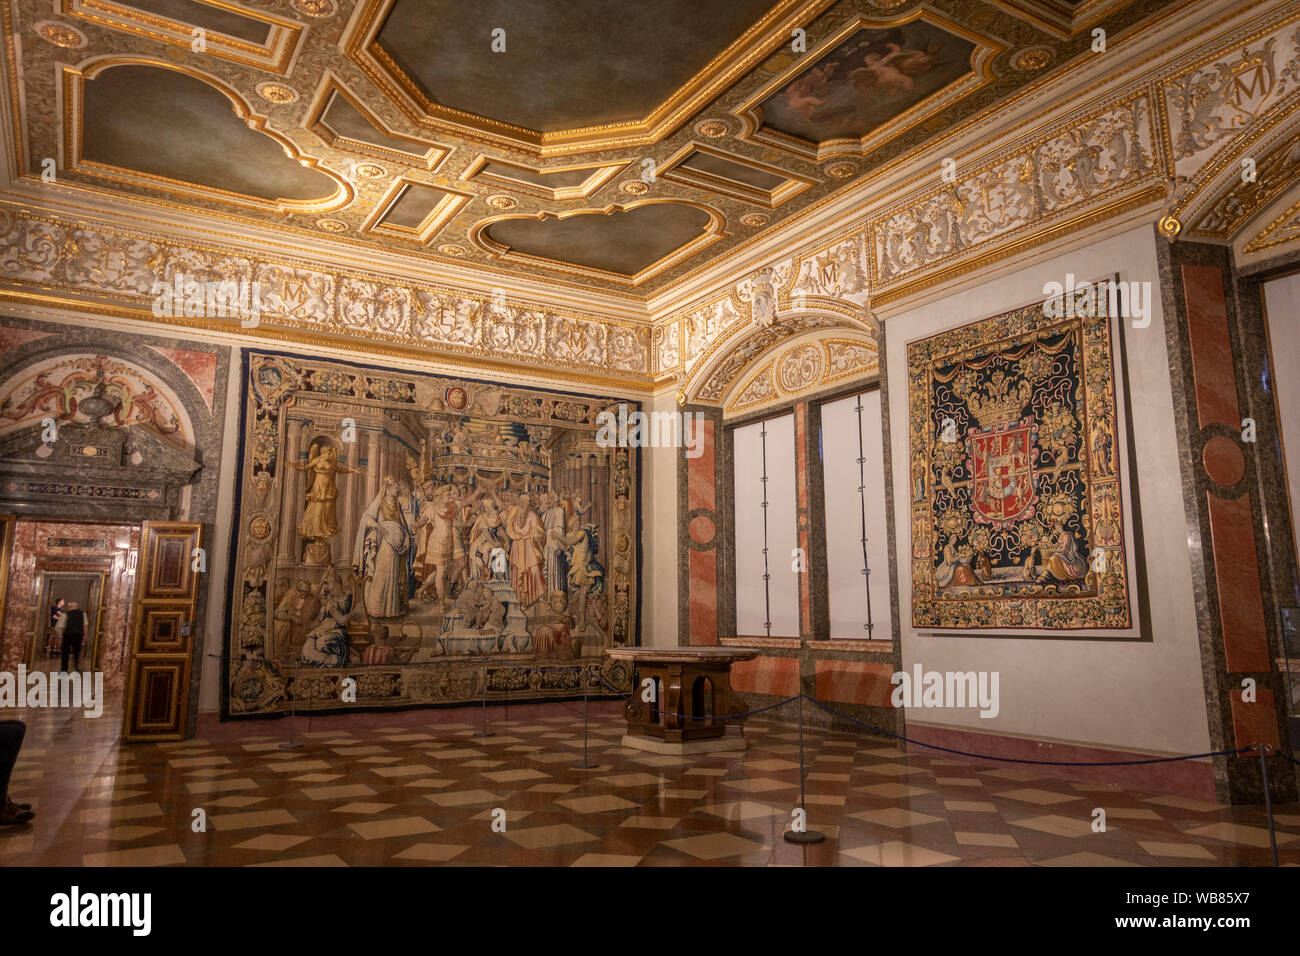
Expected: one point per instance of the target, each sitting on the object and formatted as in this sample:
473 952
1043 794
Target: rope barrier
885 733
1048 763
1283 753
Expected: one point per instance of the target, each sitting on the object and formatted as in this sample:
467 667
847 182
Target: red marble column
702 565
1233 548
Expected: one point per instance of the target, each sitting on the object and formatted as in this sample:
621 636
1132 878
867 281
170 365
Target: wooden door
7 528
163 632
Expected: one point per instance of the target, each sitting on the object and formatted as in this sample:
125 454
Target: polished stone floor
419 788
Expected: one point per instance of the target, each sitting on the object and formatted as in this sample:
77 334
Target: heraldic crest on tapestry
408 539
1016 509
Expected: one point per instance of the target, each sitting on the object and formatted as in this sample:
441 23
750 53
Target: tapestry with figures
1017 512
401 538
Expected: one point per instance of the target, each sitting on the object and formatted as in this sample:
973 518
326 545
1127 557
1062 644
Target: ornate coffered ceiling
610 148
804 198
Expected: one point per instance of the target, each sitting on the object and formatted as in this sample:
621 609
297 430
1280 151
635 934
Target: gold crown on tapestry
1000 402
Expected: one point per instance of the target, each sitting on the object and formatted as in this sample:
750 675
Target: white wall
1282 303
660 554
1122 694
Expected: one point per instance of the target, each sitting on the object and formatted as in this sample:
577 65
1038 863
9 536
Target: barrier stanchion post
293 711
1268 800
586 763
484 732
803 836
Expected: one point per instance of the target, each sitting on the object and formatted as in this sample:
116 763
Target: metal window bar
862 503
767 577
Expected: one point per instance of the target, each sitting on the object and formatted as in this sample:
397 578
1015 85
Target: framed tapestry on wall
1017 451
419 533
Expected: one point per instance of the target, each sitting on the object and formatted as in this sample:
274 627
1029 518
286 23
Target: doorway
60 590
91 563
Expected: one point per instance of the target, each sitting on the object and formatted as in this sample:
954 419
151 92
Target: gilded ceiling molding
47 256
275 54
946 134
772 31
1279 231
1271 174
1108 160
802 366
321 57
714 230
1225 106
1083 162
430 155
673 170
433 223
750 112
601 173
1061 17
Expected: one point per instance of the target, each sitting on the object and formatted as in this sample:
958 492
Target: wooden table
692 696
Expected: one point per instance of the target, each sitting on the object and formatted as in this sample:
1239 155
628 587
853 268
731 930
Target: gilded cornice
48 258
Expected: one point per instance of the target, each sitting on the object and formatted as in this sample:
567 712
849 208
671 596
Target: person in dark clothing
11 741
74 632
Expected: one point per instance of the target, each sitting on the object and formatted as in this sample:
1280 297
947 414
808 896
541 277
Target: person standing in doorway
73 629
51 632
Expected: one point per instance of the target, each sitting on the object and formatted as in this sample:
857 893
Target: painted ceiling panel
166 123
605 61
624 242
866 80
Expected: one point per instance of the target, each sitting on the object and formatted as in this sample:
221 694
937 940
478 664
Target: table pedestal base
732 742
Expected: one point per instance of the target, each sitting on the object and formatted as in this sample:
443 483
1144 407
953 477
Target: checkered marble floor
419 788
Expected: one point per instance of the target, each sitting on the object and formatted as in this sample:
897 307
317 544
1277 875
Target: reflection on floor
418 788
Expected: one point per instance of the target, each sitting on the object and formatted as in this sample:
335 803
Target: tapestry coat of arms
1016 508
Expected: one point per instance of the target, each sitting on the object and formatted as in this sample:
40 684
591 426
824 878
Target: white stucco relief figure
1080 162
1217 101
296 294
627 348
373 306
839 272
99 261
450 320
576 340
668 349
704 325
760 293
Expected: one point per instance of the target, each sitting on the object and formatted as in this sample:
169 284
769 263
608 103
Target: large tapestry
1017 518
418 533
